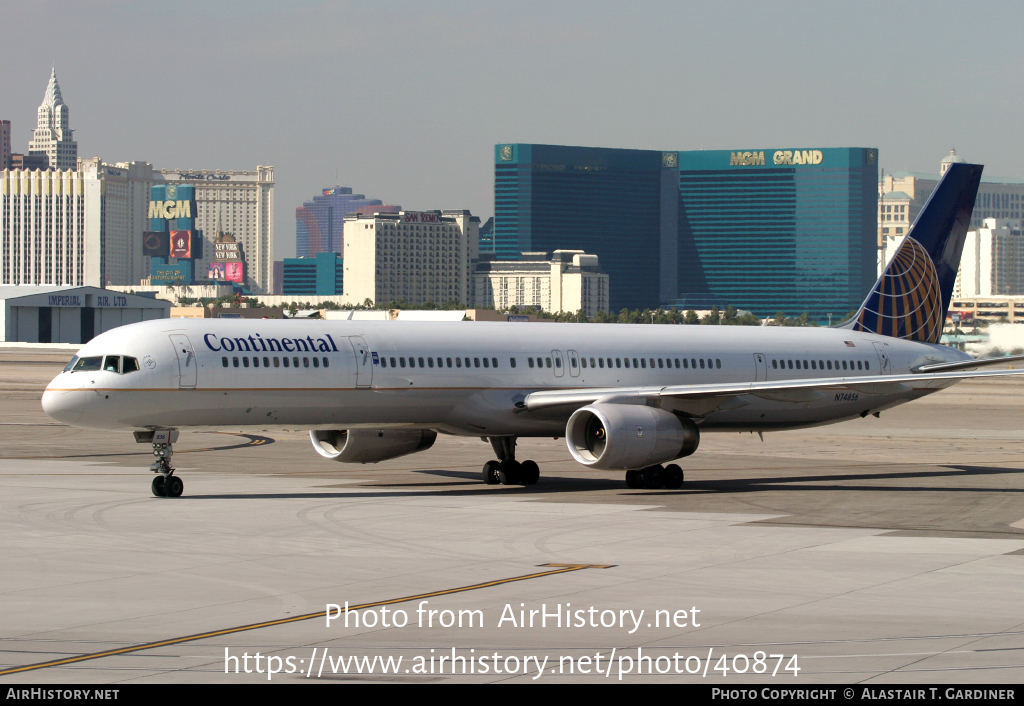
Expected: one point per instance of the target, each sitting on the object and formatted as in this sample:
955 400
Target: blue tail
911 298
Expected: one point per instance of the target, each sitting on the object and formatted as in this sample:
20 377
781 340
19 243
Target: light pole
830 319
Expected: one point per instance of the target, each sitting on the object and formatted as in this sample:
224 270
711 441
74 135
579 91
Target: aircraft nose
63 404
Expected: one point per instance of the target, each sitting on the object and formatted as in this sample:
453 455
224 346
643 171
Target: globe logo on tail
907 300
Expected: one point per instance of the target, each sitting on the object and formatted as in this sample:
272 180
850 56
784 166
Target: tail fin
912 296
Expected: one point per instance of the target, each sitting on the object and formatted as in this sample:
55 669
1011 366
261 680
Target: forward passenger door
760 367
364 362
186 361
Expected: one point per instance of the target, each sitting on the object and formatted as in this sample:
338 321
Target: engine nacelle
370 445
627 436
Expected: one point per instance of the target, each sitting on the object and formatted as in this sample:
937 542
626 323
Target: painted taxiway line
556 569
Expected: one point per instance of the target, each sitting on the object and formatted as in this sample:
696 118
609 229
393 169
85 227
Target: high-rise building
415 256
237 202
5 144
763 230
620 205
320 223
992 263
903 195
564 281
321 275
53 134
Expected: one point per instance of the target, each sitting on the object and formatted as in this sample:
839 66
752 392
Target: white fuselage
201 373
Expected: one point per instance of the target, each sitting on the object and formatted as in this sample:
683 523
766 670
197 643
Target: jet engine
370 445
626 436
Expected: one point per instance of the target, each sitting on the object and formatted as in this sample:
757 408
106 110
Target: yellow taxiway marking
556 569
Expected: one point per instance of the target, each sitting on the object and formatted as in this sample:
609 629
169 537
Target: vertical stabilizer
911 298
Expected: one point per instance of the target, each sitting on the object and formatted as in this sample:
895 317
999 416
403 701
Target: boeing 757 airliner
628 398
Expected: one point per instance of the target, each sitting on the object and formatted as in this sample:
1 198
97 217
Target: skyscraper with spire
53 134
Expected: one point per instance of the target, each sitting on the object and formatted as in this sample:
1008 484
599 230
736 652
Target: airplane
624 397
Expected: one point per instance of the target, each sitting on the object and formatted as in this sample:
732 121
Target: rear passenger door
574 363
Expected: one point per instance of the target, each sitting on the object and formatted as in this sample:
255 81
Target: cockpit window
91 363
71 365
129 365
112 364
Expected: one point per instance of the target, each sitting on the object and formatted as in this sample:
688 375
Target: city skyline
415 123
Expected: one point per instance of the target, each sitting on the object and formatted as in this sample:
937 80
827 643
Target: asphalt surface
877 551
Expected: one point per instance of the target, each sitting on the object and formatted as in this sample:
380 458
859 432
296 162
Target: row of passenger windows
401 362
110 363
284 362
821 364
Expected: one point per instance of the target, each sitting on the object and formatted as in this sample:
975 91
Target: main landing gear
656 477
507 470
165 484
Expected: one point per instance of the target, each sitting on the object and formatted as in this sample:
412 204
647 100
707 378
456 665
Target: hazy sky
407 99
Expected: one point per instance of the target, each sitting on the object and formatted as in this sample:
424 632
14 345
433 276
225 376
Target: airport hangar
55 314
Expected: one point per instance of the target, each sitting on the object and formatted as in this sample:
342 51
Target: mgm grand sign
756 159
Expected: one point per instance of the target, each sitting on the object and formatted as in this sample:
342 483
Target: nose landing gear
507 470
166 484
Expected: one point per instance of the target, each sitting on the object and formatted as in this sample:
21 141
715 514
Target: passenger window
709 363
583 362
652 362
295 362
693 363
813 365
790 365
401 361
821 365
618 363
112 364
421 362
440 362
383 362
512 362
718 363
701 362
844 365
305 362
558 362
255 362
430 362
643 362
494 362
529 361
858 365
635 363
486 363
412 362
276 361
467 362
627 361
572 362
449 360
394 363
224 361
829 363
660 363
476 362
458 362
327 362
548 361
805 365
287 364
234 361
316 362
245 361
867 365
266 362
677 362
775 364
686 363
600 362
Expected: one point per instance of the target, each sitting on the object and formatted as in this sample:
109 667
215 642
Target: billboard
234 271
181 244
155 244
217 270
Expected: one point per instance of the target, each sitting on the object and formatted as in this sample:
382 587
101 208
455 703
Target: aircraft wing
781 390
